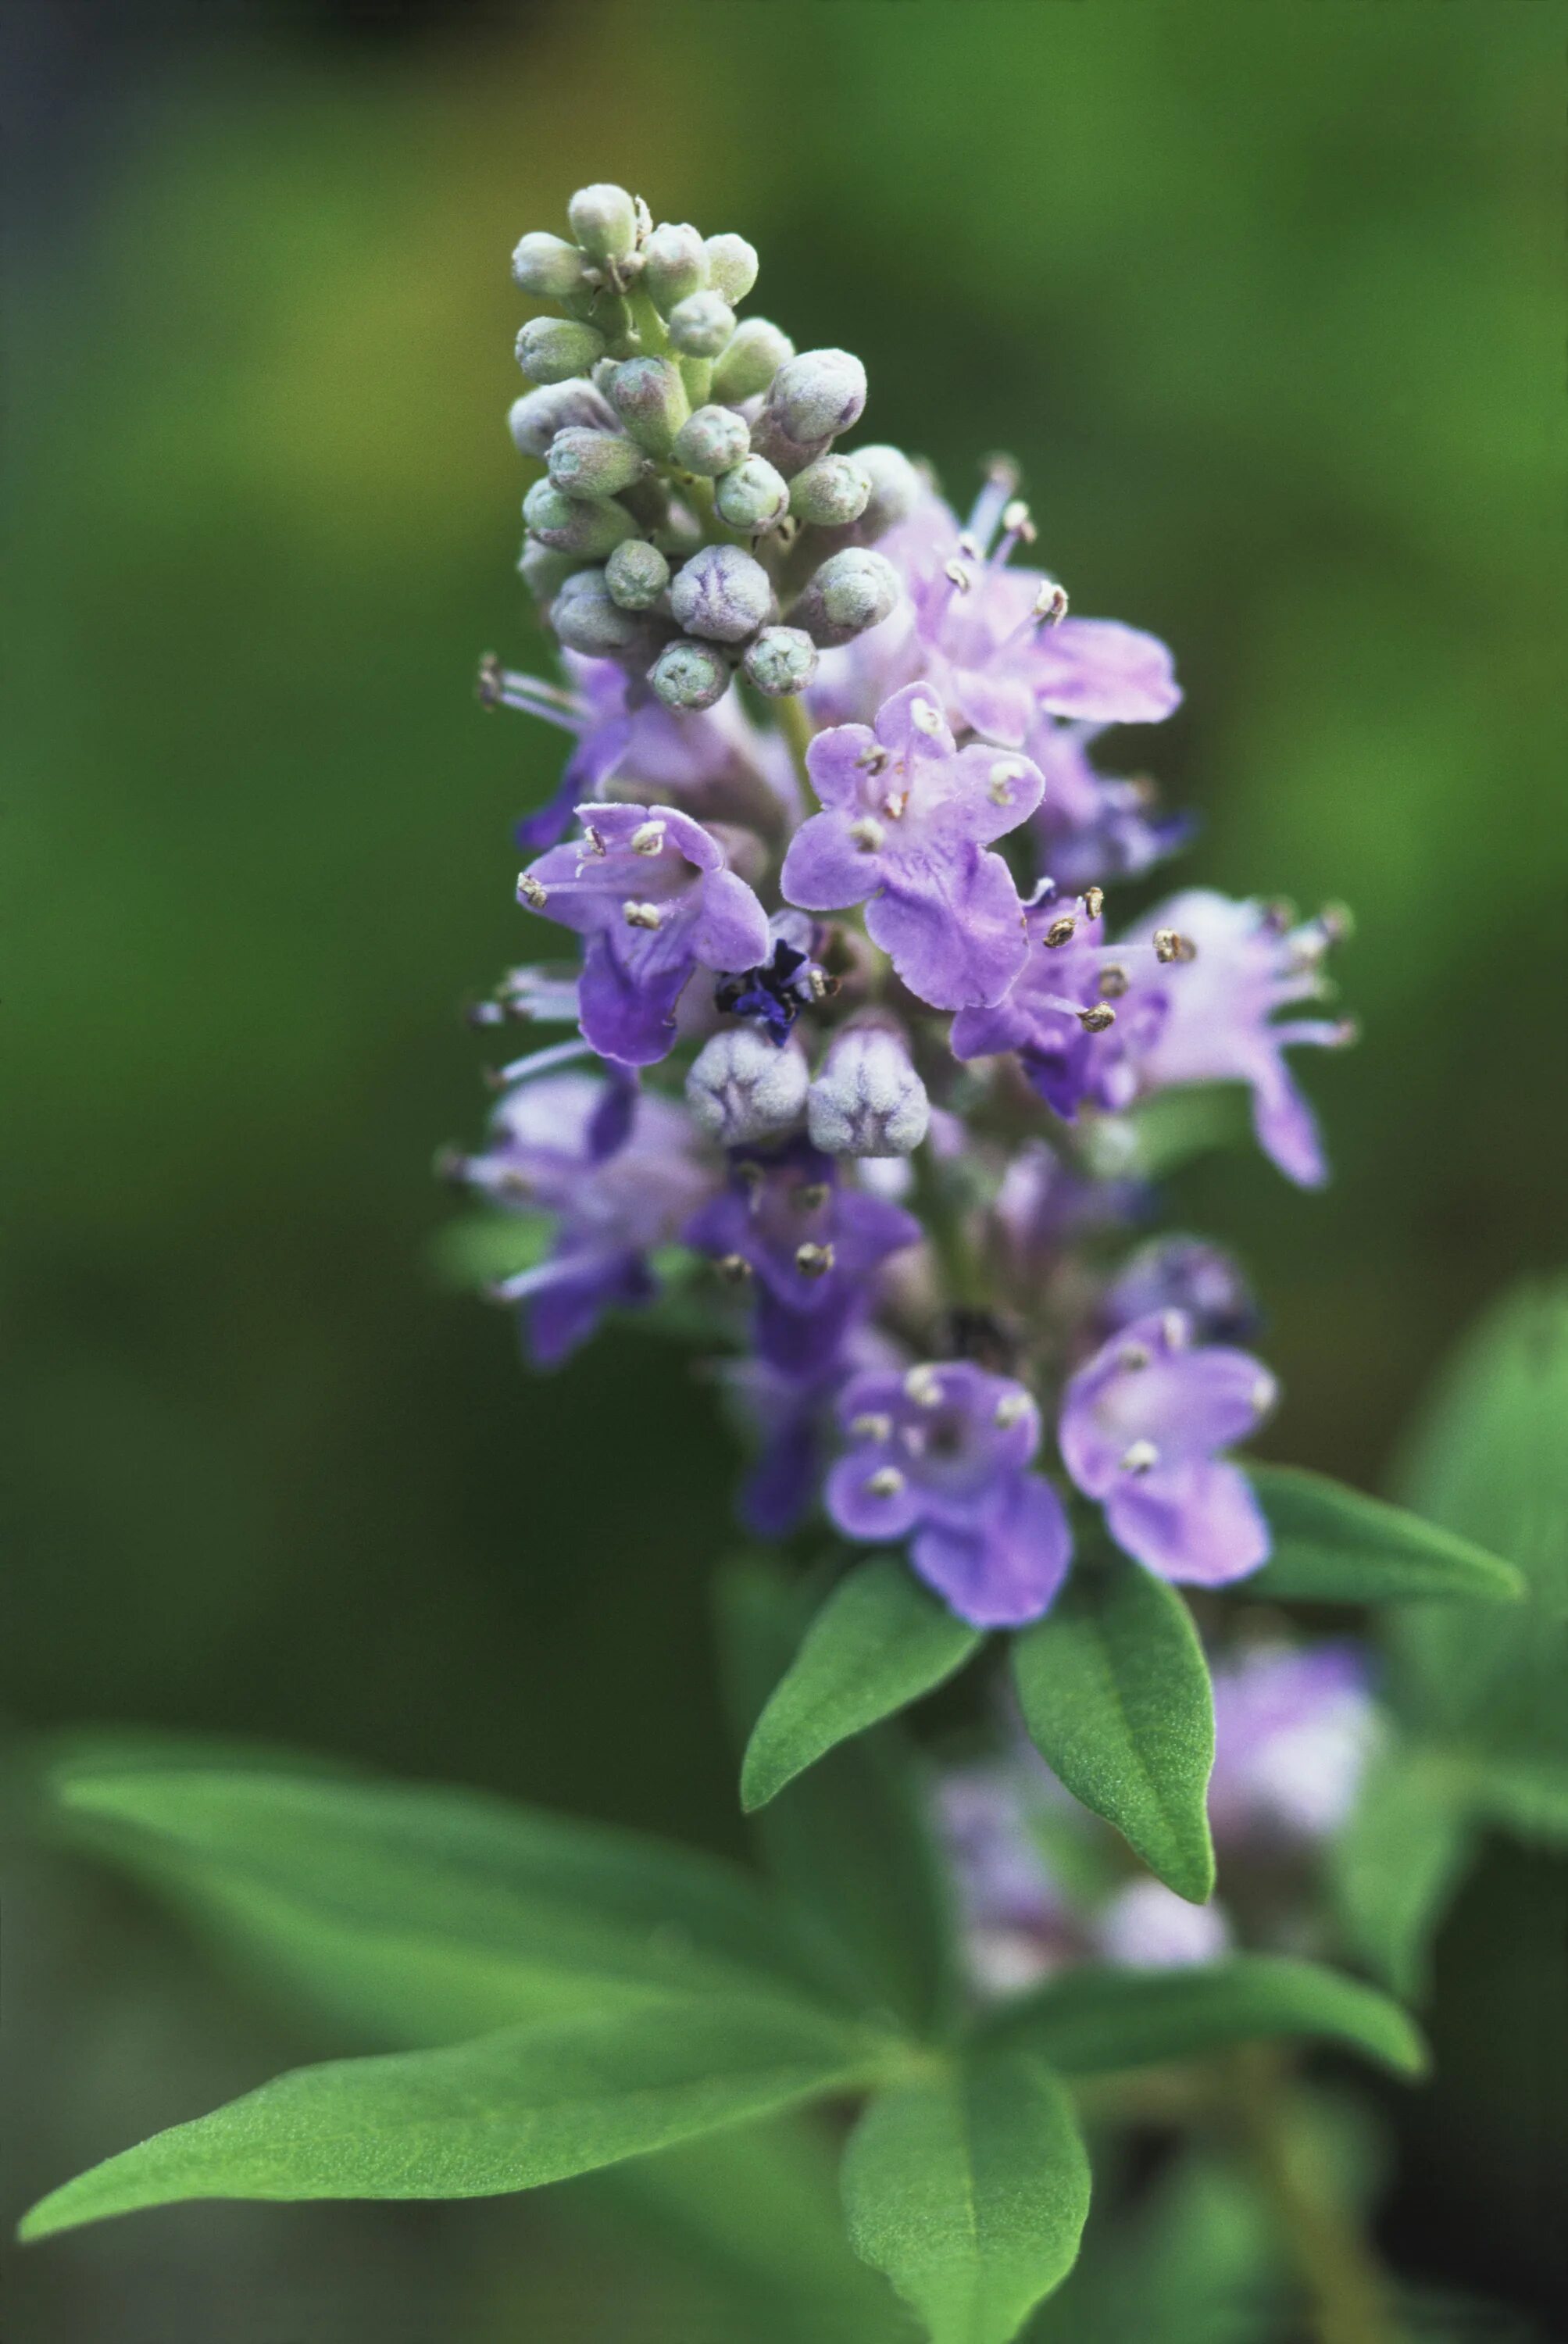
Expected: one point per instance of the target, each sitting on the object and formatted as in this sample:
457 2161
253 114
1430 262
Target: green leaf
879 1641
1095 2021
1333 1544
416 1914
970 2191
532 2104
1398 1860
850 1842
1527 1796
1115 1694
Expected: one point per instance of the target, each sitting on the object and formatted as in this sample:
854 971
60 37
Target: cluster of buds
695 516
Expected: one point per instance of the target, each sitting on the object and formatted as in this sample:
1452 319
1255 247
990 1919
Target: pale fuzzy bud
743 1087
690 675
604 221
650 398
548 266
830 492
712 441
674 263
636 574
594 463
782 661
700 325
867 1100
553 349
753 359
752 496
536 418
586 619
723 594
818 393
852 590
543 571
895 487
732 265
787 456
576 524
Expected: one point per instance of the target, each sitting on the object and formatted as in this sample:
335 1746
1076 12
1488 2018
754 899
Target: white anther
925 718
1050 603
923 1386
999 787
885 1482
533 891
959 576
874 1425
641 915
1012 1409
1016 521
1133 1356
813 1261
893 803
1175 1330
868 832
1140 1458
873 760
648 838
969 546
733 1268
1264 1393
594 840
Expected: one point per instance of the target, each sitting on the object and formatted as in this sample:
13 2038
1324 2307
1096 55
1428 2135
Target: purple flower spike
906 821
1081 1015
1141 1424
649 891
941 1457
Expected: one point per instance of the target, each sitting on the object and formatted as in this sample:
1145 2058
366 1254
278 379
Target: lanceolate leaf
1397 1858
879 1641
532 2104
1116 1697
1333 1544
418 1914
970 2191
1097 2020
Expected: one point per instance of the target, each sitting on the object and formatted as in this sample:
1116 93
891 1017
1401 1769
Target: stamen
533 891
1170 945
1001 487
923 1385
1018 522
1263 1394
893 805
925 718
1140 1458
960 577
1050 604
811 1196
733 1268
1114 982
1012 1409
1175 1330
641 915
1094 902
540 1062
867 833
648 838
1060 932
872 1426
813 1261
1097 1019
999 787
885 1482
874 760
1133 1356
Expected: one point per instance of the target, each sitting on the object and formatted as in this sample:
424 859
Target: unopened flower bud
636 574
783 659
852 590
895 487
591 527
536 418
818 393
543 571
690 675
586 619
753 495
594 463
674 263
548 266
867 1100
553 349
732 265
723 594
753 359
712 441
830 492
650 398
700 325
604 221
743 1087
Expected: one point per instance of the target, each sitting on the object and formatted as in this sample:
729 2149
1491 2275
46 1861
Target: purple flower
1140 1425
1292 1731
1091 827
649 891
787 982
1082 1015
1186 1274
616 1166
940 1457
1147 1926
809 1245
1017 1925
907 821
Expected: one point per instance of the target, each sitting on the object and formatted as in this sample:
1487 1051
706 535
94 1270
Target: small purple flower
940 1457
788 981
1082 1015
616 1166
1091 827
907 821
649 891
808 1244
1017 1925
1292 1732
1188 1273
1147 1926
1140 1426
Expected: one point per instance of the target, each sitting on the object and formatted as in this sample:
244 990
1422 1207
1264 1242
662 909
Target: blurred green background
1269 302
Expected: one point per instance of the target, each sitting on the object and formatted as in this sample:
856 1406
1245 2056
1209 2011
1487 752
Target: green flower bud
674 263
783 659
723 594
576 524
830 492
753 359
700 325
712 441
650 398
543 571
548 266
818 393
852 590
753 496
690 675
732 265
594 463
538 415
553 349
605 222
636 574
786 456
586 619
895 487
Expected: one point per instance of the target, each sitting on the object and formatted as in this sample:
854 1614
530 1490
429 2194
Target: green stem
795 725
1348 2290
963 1274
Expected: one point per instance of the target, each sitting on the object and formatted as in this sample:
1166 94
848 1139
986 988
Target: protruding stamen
733 1268
488 682
1175 1330
893 805
1113 982
1050 604
1097 1019
1169 945
1060 932
958 576
648 838
867 833
811 1196
540 1062
999 786
874 760
885 1482
1018 522
923 1385
873 1426
533 891
1013 1407
1094 902
925 718
1264 1393
1140 1458
813 1261
641 915
1133 1356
